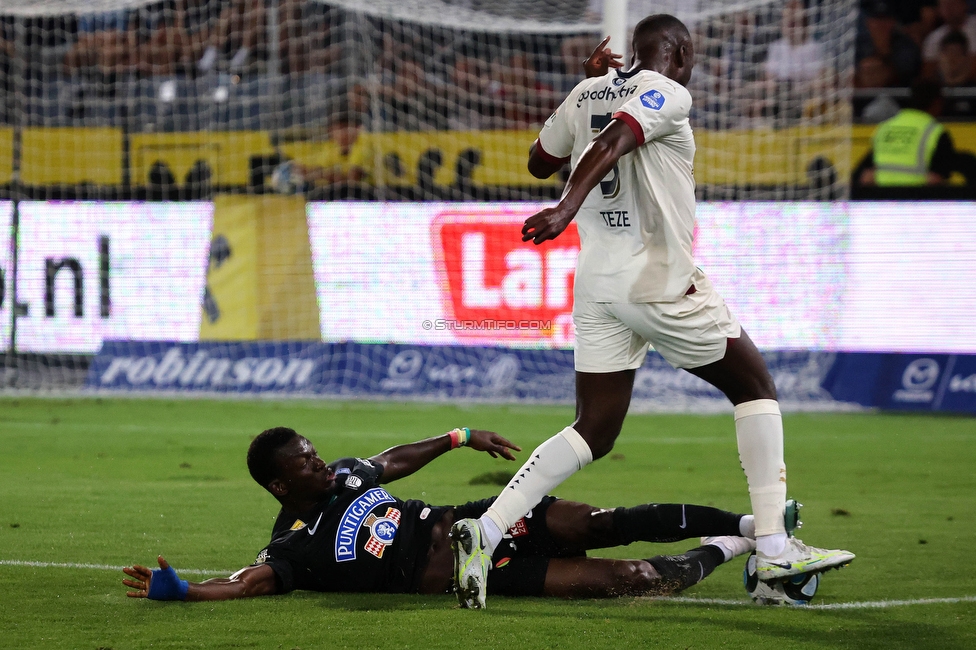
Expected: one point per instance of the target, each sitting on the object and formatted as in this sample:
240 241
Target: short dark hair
262 455
659 24
955 37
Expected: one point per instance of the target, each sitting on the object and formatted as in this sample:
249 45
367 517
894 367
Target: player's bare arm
404 460
599 157
247 583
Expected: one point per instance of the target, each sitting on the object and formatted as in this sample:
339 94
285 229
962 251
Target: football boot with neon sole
797 558
471 564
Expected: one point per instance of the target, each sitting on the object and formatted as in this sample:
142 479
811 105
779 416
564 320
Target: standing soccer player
632 192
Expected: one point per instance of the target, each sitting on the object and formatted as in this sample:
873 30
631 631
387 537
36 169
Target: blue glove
166 585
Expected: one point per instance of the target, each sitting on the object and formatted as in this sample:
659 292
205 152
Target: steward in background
913 149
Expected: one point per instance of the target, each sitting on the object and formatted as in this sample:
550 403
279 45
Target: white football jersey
637 226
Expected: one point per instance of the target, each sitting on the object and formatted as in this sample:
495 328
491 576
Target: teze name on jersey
606 94
653 99
353 518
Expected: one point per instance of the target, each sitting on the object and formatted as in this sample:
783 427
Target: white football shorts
689 333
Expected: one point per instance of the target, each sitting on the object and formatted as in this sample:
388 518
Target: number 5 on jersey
610 185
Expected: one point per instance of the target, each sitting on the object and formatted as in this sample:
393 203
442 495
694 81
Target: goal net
143 143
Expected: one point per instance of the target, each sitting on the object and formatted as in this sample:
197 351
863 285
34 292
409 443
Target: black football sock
678 572
671 522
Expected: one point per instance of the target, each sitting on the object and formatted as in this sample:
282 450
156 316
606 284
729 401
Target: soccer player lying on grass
338 530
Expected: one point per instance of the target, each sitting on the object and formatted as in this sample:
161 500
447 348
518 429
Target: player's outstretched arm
164 584
599 157
404 460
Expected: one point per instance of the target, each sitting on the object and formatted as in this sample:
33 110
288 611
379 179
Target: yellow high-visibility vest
903 148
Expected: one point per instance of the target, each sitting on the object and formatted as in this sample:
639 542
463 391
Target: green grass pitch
113 482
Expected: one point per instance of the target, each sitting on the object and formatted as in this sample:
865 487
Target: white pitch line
875 604
870 604
102 567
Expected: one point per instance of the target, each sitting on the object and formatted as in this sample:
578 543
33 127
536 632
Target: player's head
663 43
287 465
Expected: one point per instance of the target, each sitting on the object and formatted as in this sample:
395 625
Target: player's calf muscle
600 578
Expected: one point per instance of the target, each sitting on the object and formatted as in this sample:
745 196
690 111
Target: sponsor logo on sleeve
353 482
354 517
262 557
653 99
298 525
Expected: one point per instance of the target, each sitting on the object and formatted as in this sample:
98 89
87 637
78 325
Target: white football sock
492 535
747 526
771 545
730 546
759 433
550 464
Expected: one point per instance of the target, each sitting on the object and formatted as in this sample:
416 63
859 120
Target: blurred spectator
523 99
882 36
409 102
916 18
174 35
735 62
873 72
955 18
343 158
573 51
360 101
955 71
954 67
796 56
232 40
162 43
794 70
469 106
304 37
105 43
912 148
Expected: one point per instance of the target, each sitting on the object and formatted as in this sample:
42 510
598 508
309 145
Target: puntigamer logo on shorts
653 99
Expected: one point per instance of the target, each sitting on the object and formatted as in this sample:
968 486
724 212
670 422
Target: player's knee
635 576
599 438
759 386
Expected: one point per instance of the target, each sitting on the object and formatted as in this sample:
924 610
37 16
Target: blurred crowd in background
168 63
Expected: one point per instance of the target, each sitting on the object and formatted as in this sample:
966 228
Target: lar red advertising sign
495 286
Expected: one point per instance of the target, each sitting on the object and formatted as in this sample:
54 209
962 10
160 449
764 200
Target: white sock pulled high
759 434
550 464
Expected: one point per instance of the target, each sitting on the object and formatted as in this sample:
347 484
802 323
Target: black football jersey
361 539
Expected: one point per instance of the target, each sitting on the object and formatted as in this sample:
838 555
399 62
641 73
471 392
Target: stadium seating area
276 74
